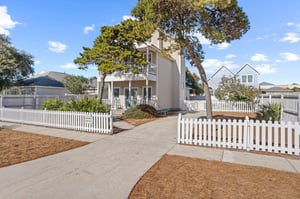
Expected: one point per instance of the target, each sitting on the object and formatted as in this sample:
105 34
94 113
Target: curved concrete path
111 165
106 168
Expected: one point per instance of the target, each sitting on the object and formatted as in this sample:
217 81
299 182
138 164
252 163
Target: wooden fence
79 121
242 134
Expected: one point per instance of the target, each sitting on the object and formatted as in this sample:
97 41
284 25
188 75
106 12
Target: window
116 92
250 78
244 79
150 57
149 93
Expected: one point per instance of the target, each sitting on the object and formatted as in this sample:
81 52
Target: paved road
111 165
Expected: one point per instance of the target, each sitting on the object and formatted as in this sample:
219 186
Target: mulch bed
183 177
17 146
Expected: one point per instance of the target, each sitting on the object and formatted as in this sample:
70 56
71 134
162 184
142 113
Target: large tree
115 50
14 64
217 20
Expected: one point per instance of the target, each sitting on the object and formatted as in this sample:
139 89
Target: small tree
230 89
14 64
192 80
269 112
75 84
114 50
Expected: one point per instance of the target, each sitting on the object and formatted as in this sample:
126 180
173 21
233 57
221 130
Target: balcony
129 75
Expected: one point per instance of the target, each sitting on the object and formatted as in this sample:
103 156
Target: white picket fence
242 134
79 121
222 106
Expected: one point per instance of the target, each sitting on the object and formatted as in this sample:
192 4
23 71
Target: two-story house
161 83
246 75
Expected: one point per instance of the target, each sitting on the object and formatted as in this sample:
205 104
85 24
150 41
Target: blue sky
54 31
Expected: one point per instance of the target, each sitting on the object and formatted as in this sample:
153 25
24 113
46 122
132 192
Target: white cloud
230 56
6 22
223 46
69 65
57 47
259 57
297 25
126 17
288 56
202 39
291 37
88 29
212 65
36 62
266 69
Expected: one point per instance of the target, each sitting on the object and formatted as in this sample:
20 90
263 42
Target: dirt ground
17 147
183 177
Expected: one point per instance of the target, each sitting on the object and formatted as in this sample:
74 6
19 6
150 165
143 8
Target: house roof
220 70
277 89
265 84
245 67
54 79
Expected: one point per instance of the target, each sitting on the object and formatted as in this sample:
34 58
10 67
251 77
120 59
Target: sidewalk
110 166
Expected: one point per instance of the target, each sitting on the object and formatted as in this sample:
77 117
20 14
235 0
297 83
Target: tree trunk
101 87
202 73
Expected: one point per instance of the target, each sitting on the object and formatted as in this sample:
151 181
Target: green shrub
52 104
269 112
136 113
92 105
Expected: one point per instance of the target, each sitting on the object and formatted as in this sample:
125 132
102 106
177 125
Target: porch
124 94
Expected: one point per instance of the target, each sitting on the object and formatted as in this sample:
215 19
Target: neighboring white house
246 75
161 83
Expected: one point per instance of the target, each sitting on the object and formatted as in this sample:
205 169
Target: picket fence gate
277 137
79 121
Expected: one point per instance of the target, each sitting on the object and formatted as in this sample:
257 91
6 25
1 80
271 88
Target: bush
269 112
136 113
52 104
92 105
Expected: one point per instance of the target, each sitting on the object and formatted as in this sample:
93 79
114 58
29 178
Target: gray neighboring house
44 83
246 75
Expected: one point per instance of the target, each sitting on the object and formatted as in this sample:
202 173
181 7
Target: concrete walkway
110 166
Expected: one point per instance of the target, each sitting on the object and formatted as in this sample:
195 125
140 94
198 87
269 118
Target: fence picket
59 119
247 135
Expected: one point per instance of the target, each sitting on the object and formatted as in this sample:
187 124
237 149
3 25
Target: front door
131 100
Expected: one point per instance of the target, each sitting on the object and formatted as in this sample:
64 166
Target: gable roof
265 84
220 70
277 89
54 79
247 65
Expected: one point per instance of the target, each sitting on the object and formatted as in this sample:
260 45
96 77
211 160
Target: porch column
129 92
112 93
147 74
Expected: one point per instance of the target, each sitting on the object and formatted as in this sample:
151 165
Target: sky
54 32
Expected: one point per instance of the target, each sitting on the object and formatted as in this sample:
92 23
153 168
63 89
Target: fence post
298 108
281 106
111 122
247 133
179 128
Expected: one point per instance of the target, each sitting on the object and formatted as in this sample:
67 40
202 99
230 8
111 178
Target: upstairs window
250 78
244 79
